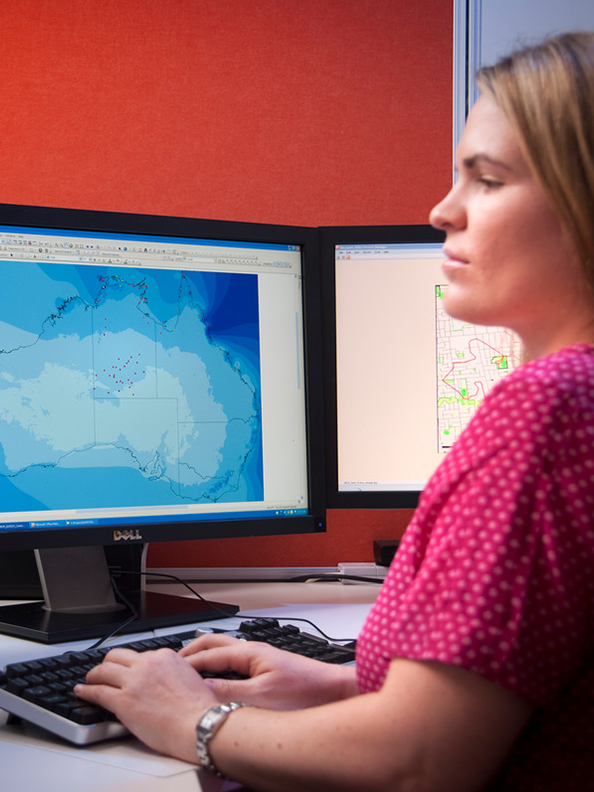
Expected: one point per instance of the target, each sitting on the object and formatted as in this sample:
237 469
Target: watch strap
207 727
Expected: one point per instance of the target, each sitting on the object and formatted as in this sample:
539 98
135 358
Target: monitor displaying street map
408 376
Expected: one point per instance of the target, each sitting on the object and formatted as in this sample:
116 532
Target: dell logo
126 536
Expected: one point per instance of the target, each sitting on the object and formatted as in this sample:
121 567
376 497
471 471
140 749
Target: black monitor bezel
226 230
329 238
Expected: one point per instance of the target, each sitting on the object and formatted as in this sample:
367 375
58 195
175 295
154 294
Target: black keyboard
41 691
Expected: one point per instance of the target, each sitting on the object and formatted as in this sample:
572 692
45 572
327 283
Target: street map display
470 361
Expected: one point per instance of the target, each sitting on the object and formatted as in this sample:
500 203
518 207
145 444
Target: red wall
317 112
349 536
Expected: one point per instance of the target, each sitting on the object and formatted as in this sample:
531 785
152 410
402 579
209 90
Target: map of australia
124 387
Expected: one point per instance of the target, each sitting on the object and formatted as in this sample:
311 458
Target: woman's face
509 260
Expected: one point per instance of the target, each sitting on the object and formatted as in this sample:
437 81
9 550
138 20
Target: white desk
31 759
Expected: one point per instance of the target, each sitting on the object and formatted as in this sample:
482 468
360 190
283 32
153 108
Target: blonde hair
547 94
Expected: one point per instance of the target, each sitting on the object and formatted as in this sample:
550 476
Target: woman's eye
489 183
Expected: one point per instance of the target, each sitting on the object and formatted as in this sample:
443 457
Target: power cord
332 577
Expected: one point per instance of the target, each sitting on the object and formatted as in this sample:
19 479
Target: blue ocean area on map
124 387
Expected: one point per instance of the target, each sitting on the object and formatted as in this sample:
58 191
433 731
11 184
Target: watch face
211 718
214 716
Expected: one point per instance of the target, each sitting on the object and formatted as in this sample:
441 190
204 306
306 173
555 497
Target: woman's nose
449 212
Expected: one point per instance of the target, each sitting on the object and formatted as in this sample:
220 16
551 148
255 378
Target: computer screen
404 378
159 380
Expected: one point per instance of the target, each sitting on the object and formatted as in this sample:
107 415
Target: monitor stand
80 602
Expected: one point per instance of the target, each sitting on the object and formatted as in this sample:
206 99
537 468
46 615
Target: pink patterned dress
496 570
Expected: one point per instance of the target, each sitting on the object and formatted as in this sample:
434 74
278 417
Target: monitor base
33 621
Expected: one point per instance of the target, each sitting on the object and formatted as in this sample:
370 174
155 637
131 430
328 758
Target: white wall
508 24
485 30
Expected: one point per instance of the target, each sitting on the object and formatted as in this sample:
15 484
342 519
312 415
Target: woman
474 669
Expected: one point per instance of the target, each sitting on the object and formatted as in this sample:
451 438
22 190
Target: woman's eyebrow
484 159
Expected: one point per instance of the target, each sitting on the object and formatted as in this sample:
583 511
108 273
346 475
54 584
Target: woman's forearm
430 727
334 746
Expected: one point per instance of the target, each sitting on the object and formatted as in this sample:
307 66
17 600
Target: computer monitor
160 380
403 378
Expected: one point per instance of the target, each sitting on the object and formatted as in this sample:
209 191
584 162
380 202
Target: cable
134 613
246 616
122 626
332 577
300 619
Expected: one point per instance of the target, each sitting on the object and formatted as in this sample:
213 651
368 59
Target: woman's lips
452 263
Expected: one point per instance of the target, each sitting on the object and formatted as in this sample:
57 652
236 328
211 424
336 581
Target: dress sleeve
496 572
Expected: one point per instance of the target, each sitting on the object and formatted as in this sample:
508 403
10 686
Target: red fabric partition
319 112
349 537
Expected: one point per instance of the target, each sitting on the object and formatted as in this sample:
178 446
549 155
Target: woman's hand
157 695
277 679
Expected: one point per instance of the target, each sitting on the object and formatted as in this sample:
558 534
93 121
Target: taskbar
106 522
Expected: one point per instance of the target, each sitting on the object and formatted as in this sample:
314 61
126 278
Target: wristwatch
207 727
